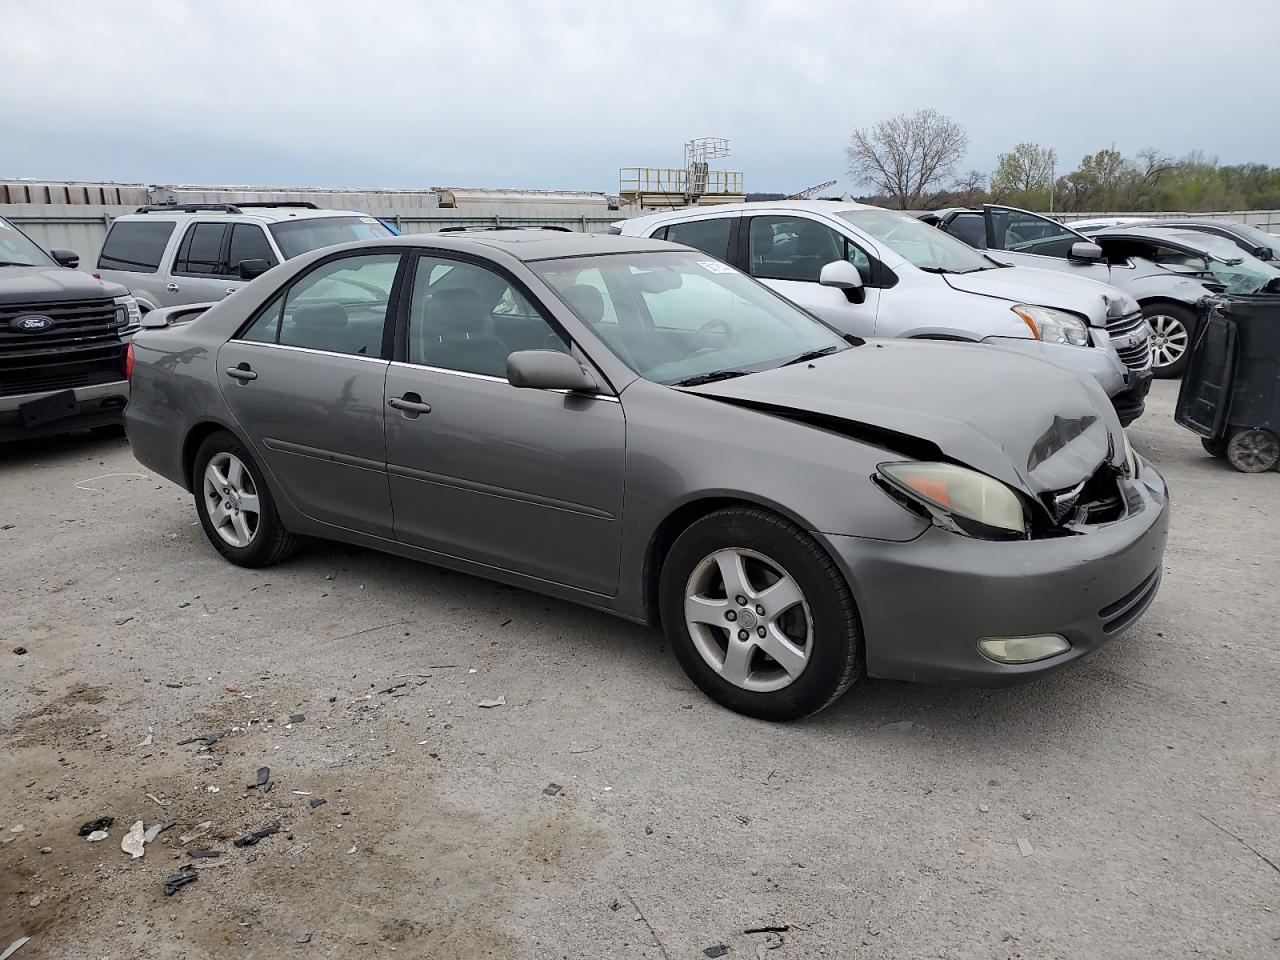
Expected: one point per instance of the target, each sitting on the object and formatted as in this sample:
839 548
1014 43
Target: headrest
587 301
456 311
321 316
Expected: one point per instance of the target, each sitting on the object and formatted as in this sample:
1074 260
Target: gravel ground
1141 784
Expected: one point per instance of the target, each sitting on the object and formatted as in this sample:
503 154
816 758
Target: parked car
1094 223
62 341
1202 255
1252 240
1028 239
875 272
199 252
632 425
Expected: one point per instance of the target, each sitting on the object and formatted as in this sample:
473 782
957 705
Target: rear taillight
97 276
128 362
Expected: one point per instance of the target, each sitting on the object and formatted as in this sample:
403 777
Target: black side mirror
1264 253
248 269
548 370
65 258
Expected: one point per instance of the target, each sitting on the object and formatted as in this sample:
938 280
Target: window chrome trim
405 365
322 353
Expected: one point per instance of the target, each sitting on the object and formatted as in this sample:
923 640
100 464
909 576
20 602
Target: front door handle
171 287
241 373
410 405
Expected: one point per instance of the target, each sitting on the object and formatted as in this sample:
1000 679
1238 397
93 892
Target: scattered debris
1252 849
1027 814
318 802
505 623
648 830
297 717
46 849
200 830
154 831
1024 847
156 800
551 789
132 841
208 739
14 947
303 938
17 828
80 484
198 854
983 808
186 874
148 739
211 789
301 793
353 849
96 836
898 725
588 749
264 777
719 950
94 826
251 839
779 928
499 702
20 651
122 621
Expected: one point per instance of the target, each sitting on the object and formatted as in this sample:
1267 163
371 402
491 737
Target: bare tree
906 156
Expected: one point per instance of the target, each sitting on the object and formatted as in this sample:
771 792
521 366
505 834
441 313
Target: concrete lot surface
1125 807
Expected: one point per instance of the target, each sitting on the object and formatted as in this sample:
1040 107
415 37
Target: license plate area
56 406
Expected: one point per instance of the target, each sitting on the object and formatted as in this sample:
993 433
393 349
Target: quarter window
468 318
135 245
200 253
797 248
248 242
709 236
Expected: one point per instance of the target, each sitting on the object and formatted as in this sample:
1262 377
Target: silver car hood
1046 288
1029 423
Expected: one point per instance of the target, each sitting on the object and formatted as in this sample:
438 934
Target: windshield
17 251
295 237
1259 238
923 246
680 317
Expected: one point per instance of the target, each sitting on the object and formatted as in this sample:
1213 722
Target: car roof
261 214
1192 239
828 207
533 244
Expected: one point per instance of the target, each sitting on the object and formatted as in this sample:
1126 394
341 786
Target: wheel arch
196 436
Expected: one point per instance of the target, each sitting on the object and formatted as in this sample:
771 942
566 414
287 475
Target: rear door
305 381
787 253
198 272
524 480
1026 239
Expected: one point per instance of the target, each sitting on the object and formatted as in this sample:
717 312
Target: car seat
456 338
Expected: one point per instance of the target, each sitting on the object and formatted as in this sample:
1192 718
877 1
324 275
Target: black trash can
1230 393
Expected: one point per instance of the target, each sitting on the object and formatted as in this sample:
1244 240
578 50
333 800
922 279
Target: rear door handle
410 405
171 287
241 373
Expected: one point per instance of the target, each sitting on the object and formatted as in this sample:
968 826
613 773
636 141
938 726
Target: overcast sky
561 94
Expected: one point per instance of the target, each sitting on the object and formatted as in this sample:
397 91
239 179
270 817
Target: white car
875 272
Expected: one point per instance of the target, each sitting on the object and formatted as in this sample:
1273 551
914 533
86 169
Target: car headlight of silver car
128 314
958 499
1053 326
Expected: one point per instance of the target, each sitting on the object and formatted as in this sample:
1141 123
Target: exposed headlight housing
128 314
1053 326
959 499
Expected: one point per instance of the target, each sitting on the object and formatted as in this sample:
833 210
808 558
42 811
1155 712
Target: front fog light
1023 649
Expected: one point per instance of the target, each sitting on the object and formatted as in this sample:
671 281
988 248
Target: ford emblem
31 323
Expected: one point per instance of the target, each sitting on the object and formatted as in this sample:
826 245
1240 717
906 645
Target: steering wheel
695 342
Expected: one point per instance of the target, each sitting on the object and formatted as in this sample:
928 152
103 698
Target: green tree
1024 176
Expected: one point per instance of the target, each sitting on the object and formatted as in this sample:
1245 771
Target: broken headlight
1053 326
959 499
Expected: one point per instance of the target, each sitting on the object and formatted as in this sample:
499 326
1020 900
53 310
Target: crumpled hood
1027 422
1046 288
45 284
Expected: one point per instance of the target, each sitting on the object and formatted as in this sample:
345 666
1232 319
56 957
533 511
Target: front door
305 382
787 252
1025 239
524 480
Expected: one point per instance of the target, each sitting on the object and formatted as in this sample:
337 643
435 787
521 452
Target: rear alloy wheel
235 506
1254 450
1172 328
759 616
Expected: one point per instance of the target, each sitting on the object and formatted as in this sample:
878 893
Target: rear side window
710 236
248 242
971 228
135 245
200 253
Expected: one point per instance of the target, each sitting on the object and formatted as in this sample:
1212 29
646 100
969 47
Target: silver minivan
169 255
882 273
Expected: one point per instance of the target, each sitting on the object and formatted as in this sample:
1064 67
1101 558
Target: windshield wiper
11 263
811 355
934 270
711 377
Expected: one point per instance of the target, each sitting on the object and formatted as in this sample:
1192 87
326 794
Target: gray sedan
631 425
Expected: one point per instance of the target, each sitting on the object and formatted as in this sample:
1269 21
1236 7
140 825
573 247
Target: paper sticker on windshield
368 219
715 266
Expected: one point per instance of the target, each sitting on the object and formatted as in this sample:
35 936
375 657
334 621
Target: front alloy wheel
1172 328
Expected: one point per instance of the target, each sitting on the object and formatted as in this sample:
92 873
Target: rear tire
727 648
1173 330
230 490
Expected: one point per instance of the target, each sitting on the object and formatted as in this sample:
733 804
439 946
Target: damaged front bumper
925 604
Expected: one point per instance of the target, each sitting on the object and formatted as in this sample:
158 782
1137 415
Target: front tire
1173 330
759 616
235 505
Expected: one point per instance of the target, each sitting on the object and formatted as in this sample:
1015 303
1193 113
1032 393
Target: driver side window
1020 232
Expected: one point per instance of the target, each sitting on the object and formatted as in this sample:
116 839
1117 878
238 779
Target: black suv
63 341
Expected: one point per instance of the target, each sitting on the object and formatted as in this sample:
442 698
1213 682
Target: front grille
82 348
1137 356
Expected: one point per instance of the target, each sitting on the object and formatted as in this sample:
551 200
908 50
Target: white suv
169 255
875 272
